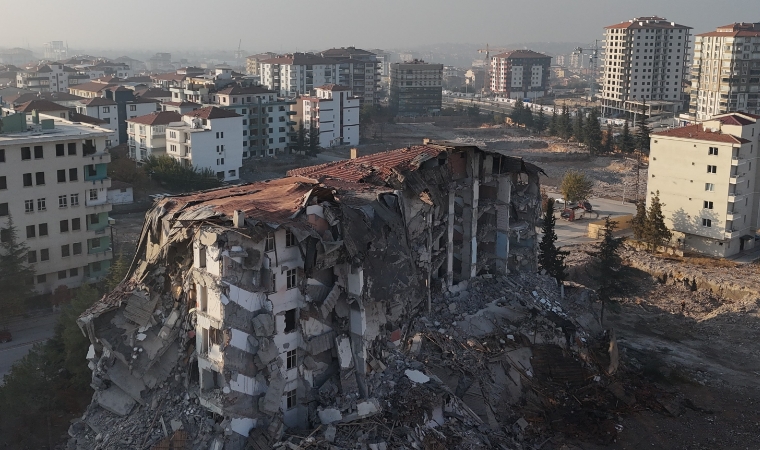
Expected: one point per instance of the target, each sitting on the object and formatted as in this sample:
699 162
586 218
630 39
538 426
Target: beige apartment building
53 183
706 177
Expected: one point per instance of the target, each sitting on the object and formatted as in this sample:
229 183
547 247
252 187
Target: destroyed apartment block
263 298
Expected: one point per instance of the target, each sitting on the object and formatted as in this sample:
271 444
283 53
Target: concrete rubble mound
388 301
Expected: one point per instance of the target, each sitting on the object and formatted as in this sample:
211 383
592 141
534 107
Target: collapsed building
266 294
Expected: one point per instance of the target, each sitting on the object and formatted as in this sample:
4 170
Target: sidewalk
747 256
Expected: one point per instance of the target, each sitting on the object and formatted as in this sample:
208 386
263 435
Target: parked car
5 336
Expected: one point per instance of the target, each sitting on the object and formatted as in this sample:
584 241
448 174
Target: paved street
569 233
26 333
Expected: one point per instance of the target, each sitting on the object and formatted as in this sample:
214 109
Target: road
569 233
26 333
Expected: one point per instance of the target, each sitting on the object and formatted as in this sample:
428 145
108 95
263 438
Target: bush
178 176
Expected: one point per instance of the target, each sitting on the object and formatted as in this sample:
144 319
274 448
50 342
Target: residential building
16 56
268 126
160 61
416 88
106 110
53 182
475 79
645 60
49 78
44 107
520 74
180 107
252 62
208 138
359 70
90 89
62 98
147 134
706 175
297 73
288 283
334 111
55 51
725 75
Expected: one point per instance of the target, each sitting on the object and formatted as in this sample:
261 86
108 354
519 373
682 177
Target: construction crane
239 53
593 60
487 64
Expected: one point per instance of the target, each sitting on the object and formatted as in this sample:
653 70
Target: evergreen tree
609 140
528 119
313 140
518 114
608 264
627 143
75 344
16 276
553 122
540 122
593 133
578 125
639 221
655 232
116 273
301 139
550 258
567 122
642 136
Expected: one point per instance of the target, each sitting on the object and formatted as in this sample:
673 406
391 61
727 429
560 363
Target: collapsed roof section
268 290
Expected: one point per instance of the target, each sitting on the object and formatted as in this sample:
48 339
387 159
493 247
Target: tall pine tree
639 221
540 121
518 112
578 126
627 141
550 258
553 122
16 276
593 132
656 233
608 264
642 136
565 123
609 140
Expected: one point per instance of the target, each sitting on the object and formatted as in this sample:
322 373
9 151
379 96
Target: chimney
425 141
354 152
238 219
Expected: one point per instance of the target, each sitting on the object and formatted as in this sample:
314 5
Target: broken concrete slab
345 358
417 376
263 325
120 375
329 415
271 401
114 400
330 433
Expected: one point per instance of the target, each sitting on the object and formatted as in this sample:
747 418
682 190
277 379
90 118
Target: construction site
394 301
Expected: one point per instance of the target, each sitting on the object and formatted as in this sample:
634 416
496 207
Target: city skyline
420 23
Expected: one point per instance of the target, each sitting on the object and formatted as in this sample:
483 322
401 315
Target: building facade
645 60
416 88
725 75
268 125
706 175
520 74
208 138
49 78
106 110
358 70
147 134
53 183
298 73
334 112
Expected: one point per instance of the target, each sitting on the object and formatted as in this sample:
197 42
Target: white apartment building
106 110
520 74
54 182
49 78
358 70
334 111
208 138
147 134
706 175
268 127
297 73
645 60
725 75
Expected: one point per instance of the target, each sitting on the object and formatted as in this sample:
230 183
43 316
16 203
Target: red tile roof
92 86
97 101
40 106
735 29
734 119
157 118
371 168
699 133
212 112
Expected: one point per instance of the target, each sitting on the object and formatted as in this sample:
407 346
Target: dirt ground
696 344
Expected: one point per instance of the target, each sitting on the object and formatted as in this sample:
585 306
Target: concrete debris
390 300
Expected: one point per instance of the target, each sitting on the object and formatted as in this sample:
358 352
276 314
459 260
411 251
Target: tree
540 122
564 123
575 186
642 136
608 264
550 258
639 221
16 276
656 233
116 273
168 170
75 344
517 114
627 143
593 132
473 111
313 140
609 140
578 126
301 139
528 119
553 122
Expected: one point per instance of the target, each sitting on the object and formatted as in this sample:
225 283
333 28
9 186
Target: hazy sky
166 25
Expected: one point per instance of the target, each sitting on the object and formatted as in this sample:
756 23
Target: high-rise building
645 60
520 74
725 75
416 88
334 111
54 183
706 178
358 70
